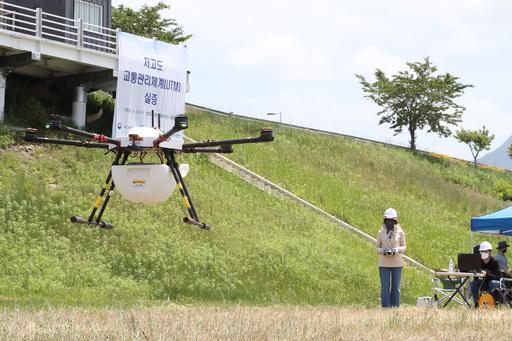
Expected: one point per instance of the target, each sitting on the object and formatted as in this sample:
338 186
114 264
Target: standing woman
390 246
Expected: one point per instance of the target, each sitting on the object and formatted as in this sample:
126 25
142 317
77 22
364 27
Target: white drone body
144 137
145 183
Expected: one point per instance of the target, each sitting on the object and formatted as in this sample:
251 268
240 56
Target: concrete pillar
3 82
79 105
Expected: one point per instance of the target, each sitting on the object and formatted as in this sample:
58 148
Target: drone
142 182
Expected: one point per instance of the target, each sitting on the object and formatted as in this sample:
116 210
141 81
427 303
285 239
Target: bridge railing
40 24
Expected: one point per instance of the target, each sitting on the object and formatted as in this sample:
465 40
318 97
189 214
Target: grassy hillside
264 248
356 181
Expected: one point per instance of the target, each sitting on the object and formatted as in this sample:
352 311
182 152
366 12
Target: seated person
492 273
500 256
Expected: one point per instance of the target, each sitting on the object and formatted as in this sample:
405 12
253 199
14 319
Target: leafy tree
477 140
510 151
148 23
416 98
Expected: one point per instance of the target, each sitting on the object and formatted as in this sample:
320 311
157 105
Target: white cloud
368 59
289 56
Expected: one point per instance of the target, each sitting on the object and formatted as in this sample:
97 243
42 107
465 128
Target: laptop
469 262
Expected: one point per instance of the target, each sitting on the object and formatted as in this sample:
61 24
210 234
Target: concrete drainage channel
266 185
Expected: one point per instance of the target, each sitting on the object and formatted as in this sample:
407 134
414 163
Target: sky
299 58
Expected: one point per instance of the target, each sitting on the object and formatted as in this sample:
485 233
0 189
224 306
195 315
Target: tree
148 23
416 98
510 151
477 140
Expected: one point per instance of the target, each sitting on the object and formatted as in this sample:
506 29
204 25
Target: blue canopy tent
499 222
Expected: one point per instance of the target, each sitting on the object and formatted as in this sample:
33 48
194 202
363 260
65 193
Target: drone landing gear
185 196
108 187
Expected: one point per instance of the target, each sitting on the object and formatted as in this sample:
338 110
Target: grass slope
356 181
264 248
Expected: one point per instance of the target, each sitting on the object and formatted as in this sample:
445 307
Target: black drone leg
185 196
104 188
112 186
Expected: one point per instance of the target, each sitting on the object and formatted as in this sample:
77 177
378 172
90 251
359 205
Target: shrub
101 100
6 138
27 112
504 190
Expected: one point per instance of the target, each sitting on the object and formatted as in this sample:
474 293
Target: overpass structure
58 50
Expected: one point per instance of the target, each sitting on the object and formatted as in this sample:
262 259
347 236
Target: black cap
502 244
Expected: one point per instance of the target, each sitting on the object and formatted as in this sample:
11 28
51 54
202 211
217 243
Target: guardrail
37 23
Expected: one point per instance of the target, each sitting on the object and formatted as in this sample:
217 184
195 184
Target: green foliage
96 101
101 99
26 111
504 189
356 181
510 151
477 140
417 99
263 248
6 137
148 23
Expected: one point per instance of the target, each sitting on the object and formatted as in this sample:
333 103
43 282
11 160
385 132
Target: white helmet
485 246
390 213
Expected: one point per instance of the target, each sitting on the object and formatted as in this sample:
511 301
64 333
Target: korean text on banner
151 85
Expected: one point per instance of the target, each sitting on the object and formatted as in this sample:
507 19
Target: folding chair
444 288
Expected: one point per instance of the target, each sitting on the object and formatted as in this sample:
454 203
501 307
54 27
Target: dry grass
254 323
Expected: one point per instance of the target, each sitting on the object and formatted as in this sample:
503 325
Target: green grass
357 181
263 249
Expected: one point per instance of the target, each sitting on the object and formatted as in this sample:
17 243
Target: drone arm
224 149
180 123
266 135
55 124
31 136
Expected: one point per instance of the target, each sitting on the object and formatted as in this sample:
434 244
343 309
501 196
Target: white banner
151 85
